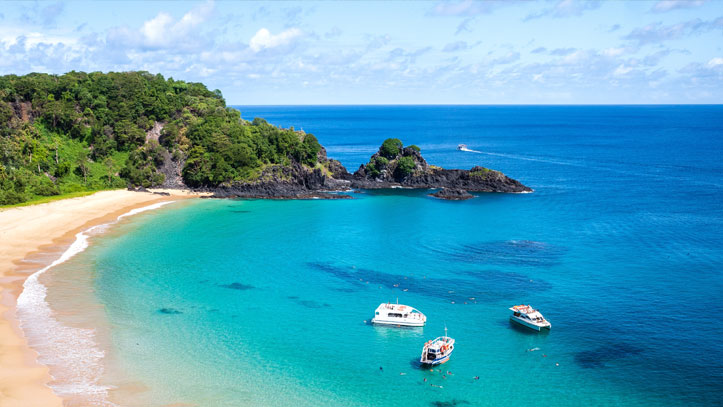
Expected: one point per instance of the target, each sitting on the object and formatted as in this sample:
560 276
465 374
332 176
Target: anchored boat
437 351
398 315
529 317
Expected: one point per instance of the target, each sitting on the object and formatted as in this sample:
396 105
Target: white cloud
263 39
164 31
613 52
715 62
566 8
667 5
622 70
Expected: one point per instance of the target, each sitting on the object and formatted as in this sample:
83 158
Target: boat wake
72 349
466 149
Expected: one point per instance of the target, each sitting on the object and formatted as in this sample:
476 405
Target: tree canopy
85 131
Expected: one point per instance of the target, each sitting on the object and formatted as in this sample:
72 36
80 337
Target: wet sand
27 231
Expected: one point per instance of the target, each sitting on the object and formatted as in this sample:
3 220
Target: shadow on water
169 311
397 192
506 252
414 364
597 358
450 403
237 286
308 303
483 285
524 330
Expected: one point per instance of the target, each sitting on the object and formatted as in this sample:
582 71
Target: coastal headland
45 227
78 132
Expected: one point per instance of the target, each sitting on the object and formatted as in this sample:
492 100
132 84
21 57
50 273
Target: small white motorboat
398 315
529 317
462 147
437 351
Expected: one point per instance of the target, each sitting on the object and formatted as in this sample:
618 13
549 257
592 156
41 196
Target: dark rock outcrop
407 169
384 172
452 194
294 181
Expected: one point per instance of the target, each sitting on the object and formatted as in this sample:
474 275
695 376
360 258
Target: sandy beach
29 230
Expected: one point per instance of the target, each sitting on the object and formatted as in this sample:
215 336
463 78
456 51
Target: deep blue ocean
254 302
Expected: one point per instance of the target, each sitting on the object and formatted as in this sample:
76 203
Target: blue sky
357 52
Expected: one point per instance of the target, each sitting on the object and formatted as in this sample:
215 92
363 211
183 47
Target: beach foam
74 349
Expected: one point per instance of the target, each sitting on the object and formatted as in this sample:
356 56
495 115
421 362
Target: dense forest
89 131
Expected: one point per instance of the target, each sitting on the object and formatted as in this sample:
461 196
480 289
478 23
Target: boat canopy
397 308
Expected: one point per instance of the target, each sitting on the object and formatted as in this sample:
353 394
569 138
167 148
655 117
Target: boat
462 147
529 317
398 315
437 351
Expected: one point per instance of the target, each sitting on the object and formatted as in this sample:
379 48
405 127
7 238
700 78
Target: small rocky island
393 166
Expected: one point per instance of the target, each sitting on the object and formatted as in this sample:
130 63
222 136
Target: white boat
398 315
437 351
529 317
462 147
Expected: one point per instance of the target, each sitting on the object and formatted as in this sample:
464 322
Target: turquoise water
226 303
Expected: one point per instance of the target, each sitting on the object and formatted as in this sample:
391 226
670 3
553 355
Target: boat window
395 315
377 313
406 315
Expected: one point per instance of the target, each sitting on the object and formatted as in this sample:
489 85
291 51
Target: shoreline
27 233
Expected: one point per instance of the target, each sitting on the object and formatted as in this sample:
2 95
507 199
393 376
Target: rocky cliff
392 166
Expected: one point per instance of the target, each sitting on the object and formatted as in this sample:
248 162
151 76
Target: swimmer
381 369
476 377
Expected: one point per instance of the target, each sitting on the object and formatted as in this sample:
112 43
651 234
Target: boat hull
388 322
435 362
529 324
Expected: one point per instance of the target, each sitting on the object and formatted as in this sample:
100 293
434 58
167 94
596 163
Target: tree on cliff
84 118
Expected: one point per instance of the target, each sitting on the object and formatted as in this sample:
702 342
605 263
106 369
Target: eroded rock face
285 182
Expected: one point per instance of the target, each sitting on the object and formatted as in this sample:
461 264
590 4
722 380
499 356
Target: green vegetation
405 166
90 131
390 148
483 172
397 160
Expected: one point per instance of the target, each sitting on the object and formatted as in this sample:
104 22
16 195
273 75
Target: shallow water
226 303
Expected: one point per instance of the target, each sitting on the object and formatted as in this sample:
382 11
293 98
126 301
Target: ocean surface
253 302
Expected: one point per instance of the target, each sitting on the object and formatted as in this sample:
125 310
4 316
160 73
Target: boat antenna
397 300
445 330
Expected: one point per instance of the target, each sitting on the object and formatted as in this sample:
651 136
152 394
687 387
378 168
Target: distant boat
462 147
398 315
529 317
437 351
